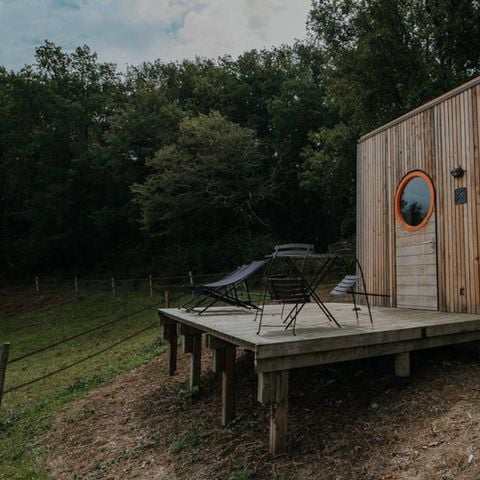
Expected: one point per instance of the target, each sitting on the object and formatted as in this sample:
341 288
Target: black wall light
457 172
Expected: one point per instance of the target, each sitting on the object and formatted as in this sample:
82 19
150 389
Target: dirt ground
15 303
349 421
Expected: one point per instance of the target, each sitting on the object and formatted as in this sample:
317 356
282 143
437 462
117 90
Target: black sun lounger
225 290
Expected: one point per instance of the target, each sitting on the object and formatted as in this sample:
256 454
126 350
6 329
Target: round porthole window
414 200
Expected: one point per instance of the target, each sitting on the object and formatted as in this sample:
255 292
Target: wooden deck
395 331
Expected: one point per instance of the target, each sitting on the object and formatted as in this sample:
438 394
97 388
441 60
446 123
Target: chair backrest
288 290
239 275
346 285
292 250
342 247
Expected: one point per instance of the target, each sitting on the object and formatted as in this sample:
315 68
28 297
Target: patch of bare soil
350 421
13 302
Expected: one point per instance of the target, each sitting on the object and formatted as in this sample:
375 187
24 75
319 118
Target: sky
133 31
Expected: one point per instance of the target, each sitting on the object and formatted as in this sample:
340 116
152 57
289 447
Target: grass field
31 322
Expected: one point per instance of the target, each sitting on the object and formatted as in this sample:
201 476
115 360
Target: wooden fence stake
37 286
167 299
151 285
3 367
114 293
191 281
76 285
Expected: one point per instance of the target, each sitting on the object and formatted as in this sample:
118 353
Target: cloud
158 12
132 31
235 26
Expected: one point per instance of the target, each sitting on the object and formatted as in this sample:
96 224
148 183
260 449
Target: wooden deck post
218 360
173 342
279 414
402 364
187 343
171 336
218 353
196 361
273 391
228 384
223 363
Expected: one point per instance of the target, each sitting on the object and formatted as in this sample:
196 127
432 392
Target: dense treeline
203 164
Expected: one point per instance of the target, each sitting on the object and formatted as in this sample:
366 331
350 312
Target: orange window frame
398 197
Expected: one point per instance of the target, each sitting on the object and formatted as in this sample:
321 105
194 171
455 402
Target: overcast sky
131 31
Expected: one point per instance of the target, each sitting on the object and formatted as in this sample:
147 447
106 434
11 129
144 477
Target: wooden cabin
418 242
418 205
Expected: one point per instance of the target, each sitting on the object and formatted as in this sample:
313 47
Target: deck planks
395 331
315 333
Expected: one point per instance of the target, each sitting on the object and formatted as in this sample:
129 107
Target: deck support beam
196 362
171 336
218 361
273 390
279 415
224 355
228 384
402 364
187 343
173 342
396 334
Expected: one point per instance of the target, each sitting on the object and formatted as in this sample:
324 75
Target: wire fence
78 335
75 285
44 294
81 360
41 300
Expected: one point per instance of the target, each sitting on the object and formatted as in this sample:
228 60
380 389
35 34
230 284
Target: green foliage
76 136
213 180
240 473
384 58
26 413
328 175
54 116
189 440
387 57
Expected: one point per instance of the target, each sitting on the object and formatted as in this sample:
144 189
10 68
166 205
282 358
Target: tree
279 94
387 57
204 198
55 112
384 58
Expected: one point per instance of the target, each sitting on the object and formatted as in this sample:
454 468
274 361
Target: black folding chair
290 286
226 290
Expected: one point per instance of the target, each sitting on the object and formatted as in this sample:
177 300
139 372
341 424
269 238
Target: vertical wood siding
435 140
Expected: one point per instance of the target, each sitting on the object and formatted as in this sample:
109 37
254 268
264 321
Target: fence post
37 286
151 285
76 285
191 281
114 293
167 299
3 367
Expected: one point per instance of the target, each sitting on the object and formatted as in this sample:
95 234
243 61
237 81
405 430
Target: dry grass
350 421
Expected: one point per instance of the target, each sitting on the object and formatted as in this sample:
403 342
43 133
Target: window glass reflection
415 201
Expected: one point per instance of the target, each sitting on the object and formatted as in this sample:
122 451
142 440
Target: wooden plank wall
373 247
435 140
416 267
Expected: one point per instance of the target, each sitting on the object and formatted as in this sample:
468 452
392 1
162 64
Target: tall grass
41 320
